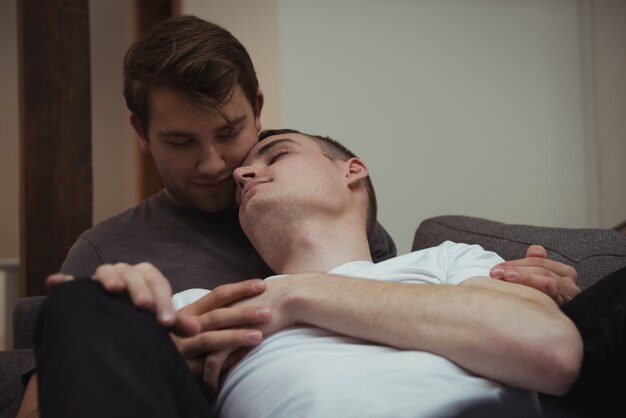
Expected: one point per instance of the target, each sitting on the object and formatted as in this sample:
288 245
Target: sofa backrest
594 253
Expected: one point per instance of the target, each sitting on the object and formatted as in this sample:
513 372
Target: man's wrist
292 296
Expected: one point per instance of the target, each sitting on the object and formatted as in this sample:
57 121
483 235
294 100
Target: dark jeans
598 312
99 356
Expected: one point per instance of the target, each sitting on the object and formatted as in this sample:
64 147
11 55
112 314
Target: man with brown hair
195 104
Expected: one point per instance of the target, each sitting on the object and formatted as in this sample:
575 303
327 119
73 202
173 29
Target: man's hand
224 328
217 363
147 288
218 333
555 279
58 279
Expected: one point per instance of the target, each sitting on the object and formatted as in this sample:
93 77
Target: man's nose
244 174
211 162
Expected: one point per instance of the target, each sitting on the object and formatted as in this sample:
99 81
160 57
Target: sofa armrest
25 314
594 253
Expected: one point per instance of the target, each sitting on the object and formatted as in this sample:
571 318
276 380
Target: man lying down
430 335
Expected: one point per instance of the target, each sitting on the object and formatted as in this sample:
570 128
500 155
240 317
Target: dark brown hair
200 59
334 150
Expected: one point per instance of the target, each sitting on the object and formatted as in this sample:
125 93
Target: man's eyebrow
230 124
234 121
174 133
267 147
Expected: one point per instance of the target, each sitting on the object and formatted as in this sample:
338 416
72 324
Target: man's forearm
521 341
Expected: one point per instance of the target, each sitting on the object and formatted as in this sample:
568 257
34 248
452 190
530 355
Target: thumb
186 325
57 279
536 251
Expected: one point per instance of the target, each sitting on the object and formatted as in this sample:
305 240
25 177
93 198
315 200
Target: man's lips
213 186
249 187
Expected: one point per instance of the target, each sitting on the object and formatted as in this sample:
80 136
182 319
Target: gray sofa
593 252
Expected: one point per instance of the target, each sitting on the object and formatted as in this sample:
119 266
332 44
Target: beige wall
9 160
114 148
255 24
9 134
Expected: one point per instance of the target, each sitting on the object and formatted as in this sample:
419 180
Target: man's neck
311 246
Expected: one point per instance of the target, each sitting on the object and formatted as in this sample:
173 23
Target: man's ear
260 99
356 170
138 127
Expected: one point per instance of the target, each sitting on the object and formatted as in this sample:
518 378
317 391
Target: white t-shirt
311 372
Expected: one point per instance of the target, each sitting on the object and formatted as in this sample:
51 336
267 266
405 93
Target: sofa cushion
594 253
13 364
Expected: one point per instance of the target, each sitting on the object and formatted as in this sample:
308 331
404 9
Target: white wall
609 64
459 107
483 107
480 107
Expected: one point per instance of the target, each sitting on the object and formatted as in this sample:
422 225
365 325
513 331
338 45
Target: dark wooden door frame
55 134
56 187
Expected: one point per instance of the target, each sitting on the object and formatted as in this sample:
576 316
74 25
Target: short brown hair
334 150
200 59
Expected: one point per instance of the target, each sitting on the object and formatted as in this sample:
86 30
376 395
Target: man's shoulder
152 215
127 221
447 263
102 244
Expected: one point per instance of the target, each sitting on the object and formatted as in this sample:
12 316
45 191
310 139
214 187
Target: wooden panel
55 130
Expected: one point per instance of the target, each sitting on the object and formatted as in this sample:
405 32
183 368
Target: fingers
224 295
186 325
540 279
196 365
560 288
213 368
109 276
147 288
234 358
217 364
234 317
211 341
219 345
156 289
196 350
57 279
556 267
553 278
